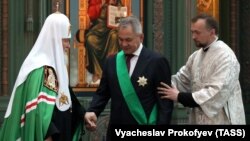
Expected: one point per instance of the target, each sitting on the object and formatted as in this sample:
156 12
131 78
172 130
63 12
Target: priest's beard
200 45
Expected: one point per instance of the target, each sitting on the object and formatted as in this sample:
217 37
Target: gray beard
66 59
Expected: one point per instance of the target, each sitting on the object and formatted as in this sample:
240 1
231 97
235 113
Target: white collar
138 51
206 48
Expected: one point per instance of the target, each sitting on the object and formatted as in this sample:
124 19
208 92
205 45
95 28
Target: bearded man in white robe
209 82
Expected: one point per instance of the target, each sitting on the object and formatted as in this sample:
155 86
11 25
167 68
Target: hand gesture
90 121
168 92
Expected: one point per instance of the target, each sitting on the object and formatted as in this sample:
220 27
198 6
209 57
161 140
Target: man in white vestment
209 82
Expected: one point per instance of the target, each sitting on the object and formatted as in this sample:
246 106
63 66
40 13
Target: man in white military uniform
209 82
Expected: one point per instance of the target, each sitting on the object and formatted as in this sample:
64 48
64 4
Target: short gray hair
133 21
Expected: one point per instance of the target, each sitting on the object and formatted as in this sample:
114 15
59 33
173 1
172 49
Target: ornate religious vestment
212 77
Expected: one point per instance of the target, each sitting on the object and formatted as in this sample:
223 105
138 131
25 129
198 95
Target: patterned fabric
213 79
33 105
50 80
47 51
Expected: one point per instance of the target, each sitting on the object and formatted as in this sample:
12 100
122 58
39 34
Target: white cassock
213 79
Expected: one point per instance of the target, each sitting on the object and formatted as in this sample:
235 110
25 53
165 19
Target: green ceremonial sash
130 95
78 133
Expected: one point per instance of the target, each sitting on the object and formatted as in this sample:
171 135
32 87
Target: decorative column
4 49
158 20
83 23
244 58
1 45
234 22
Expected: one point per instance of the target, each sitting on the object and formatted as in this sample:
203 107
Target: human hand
168 92
90 121
49 139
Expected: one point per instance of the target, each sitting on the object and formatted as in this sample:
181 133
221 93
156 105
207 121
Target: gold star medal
142 81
